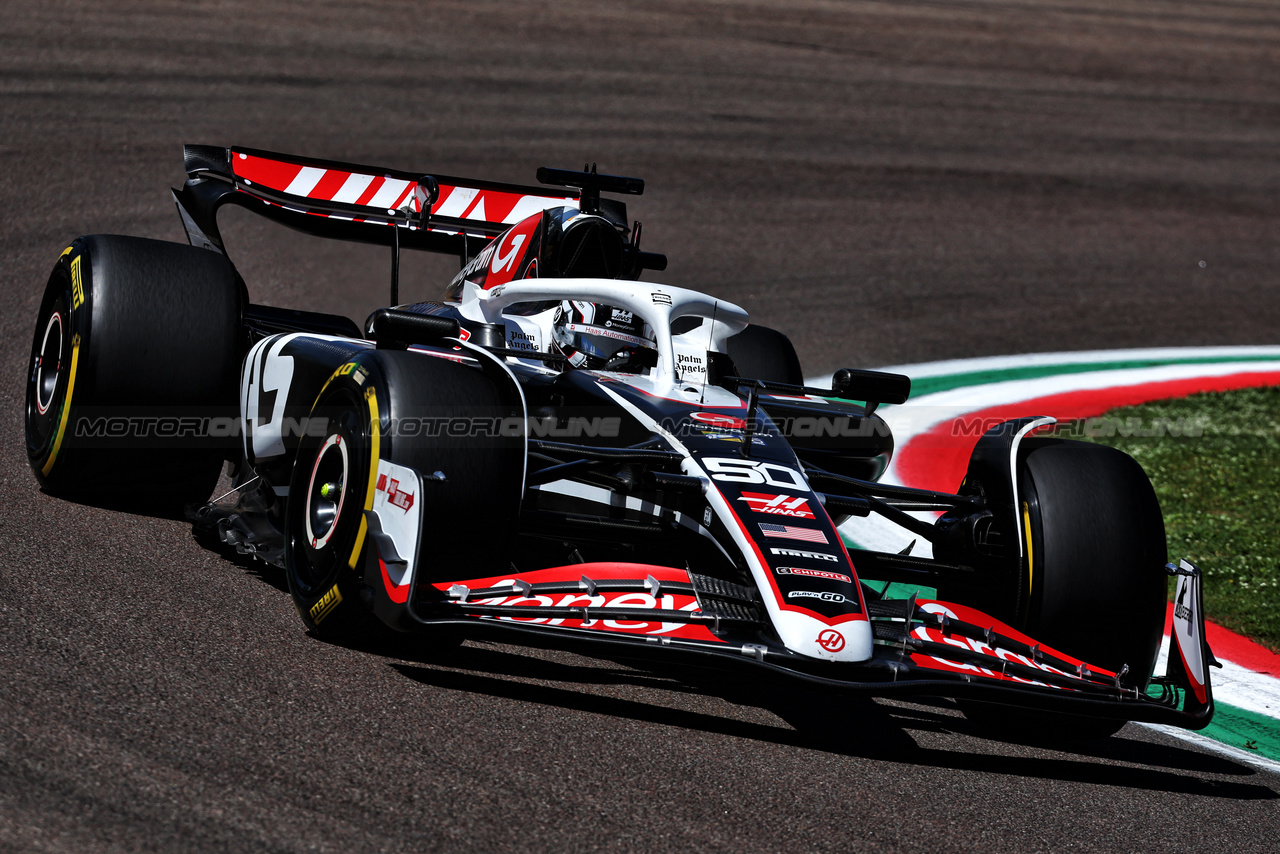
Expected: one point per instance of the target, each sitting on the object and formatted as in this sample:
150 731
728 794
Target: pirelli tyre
133 367
761 353
1094 584
442 419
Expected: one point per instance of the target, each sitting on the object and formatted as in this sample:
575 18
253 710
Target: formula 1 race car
559 453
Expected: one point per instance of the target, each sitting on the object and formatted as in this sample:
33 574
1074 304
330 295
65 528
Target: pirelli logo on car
327 603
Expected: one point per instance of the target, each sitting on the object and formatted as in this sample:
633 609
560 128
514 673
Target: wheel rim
324 510
46 382
48 363
326 491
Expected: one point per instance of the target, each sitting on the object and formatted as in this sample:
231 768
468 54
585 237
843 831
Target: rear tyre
1095 585
137 345
399 406
761 353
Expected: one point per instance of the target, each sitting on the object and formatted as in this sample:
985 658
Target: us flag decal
793 532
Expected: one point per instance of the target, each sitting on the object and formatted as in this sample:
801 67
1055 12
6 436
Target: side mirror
875 387
396 330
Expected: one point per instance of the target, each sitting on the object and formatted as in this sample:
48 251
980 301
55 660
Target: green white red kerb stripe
935 431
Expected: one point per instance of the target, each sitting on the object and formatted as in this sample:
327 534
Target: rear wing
366 204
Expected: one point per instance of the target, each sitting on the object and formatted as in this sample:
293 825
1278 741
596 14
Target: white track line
1080 357
1260 762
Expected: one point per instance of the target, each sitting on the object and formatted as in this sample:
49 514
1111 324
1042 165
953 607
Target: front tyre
409 409
324 522
1097 586
1093 584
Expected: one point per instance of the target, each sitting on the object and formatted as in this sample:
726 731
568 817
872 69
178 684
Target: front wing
922 646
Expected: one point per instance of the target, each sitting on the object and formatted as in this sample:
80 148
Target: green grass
1215 462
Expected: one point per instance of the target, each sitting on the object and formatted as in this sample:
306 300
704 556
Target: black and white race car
558 451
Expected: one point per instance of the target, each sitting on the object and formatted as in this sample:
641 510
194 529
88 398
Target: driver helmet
591 334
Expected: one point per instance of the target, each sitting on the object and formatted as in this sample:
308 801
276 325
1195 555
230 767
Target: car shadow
123 501
268 574
816 720
806 719
481 672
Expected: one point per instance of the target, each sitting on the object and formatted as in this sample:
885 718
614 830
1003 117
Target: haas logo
831 640
778 505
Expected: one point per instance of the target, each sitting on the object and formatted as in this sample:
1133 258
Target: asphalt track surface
888 182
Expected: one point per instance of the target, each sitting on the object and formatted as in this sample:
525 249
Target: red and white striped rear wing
352 202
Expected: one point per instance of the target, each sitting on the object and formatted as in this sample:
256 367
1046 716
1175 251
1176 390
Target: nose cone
846 641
